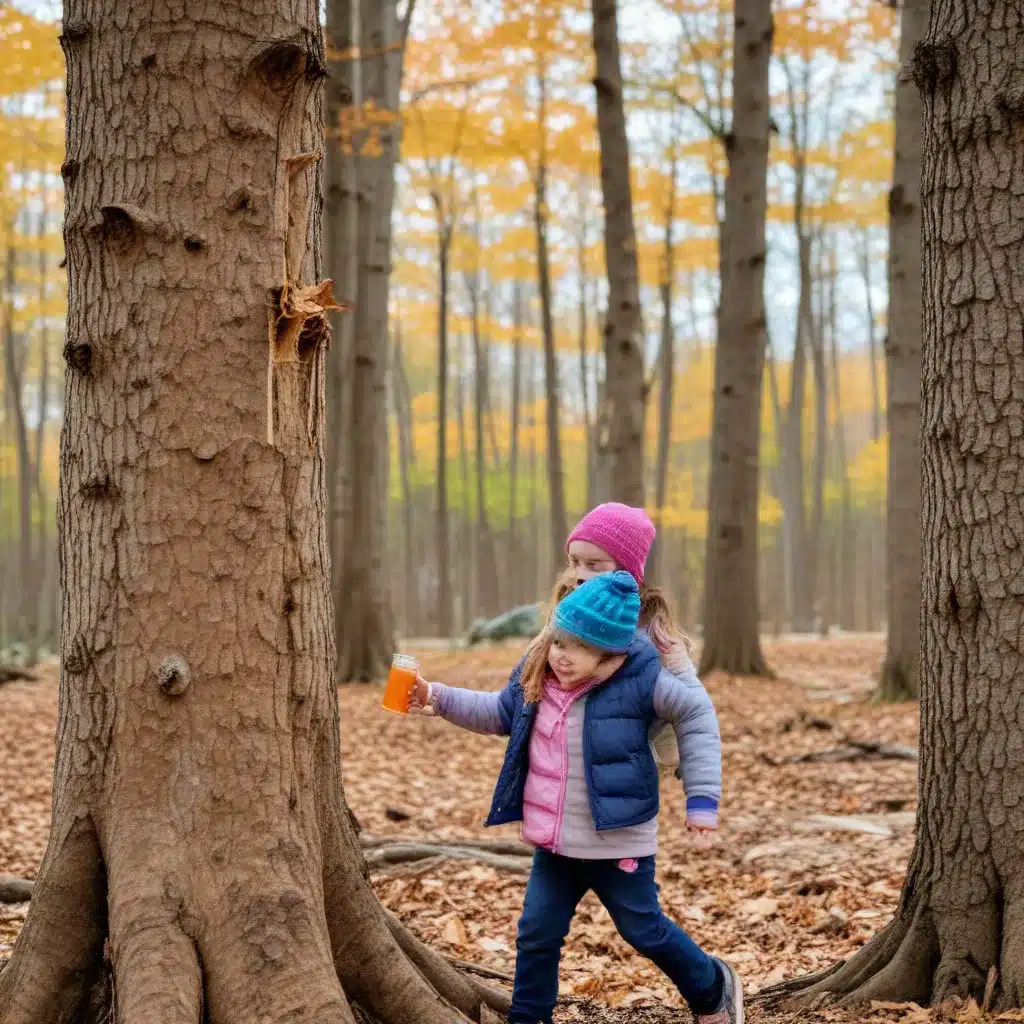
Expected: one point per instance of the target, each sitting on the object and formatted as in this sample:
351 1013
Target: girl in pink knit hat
615 536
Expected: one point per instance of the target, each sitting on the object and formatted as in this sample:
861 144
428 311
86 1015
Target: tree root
13 673
398 853
467 993
849 750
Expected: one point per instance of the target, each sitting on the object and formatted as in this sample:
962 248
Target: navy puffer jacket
621 773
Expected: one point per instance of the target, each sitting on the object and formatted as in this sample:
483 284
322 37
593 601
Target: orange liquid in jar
401 680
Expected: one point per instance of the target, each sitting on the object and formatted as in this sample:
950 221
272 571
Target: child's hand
704 835
419 697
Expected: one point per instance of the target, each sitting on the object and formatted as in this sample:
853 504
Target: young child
580 775
615 536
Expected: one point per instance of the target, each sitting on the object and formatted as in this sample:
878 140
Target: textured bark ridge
201 850
959 927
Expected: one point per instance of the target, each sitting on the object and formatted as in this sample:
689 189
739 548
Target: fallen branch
505 847
408 853
15 890
850 750
12 673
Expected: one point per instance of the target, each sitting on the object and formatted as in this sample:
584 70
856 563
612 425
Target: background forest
498 223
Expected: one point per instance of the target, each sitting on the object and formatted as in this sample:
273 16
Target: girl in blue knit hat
580 775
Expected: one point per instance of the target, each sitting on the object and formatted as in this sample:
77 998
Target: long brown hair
655 616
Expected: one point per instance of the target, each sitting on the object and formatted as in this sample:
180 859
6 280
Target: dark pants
556 886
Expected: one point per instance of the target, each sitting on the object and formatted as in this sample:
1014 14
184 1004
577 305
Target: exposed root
466 993
59 953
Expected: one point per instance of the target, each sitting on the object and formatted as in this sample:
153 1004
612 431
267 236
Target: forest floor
807 864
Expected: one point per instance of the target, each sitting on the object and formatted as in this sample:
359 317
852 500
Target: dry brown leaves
777 895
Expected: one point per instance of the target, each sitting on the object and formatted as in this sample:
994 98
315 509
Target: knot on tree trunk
174 675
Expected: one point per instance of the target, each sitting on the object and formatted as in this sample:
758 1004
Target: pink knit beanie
626 533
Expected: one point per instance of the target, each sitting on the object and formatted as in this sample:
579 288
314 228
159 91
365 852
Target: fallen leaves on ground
807 864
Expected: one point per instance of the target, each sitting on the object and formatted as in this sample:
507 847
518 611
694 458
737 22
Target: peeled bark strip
731 609
961 912
199 828
899 679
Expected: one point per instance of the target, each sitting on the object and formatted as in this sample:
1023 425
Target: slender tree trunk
41 571
556 475
26 626
731 612
445 609
794 509
814 537
406 456
959 926
486 603
625 387
582 325
513 554
899 676
666 380
199 831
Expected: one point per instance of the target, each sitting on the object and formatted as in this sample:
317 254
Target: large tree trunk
556 476
731 609
625 390
199 821
899 678
960 914
364 624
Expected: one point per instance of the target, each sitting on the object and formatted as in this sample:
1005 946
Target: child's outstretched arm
477 710
682 702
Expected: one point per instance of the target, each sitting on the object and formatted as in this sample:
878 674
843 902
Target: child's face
587 560
573 664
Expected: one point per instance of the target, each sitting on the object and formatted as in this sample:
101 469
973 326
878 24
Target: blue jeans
556 886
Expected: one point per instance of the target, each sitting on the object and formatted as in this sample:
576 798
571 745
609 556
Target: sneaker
731 1010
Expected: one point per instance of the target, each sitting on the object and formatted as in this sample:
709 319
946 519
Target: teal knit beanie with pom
603 612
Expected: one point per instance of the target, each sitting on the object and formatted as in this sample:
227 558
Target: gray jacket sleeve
682 702
477 710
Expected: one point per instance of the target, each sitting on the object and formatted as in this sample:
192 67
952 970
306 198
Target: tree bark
731 607
960 913
899 676
363 619
199 822
625 387
556 475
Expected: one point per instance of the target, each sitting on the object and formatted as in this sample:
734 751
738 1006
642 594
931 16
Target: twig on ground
479 969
